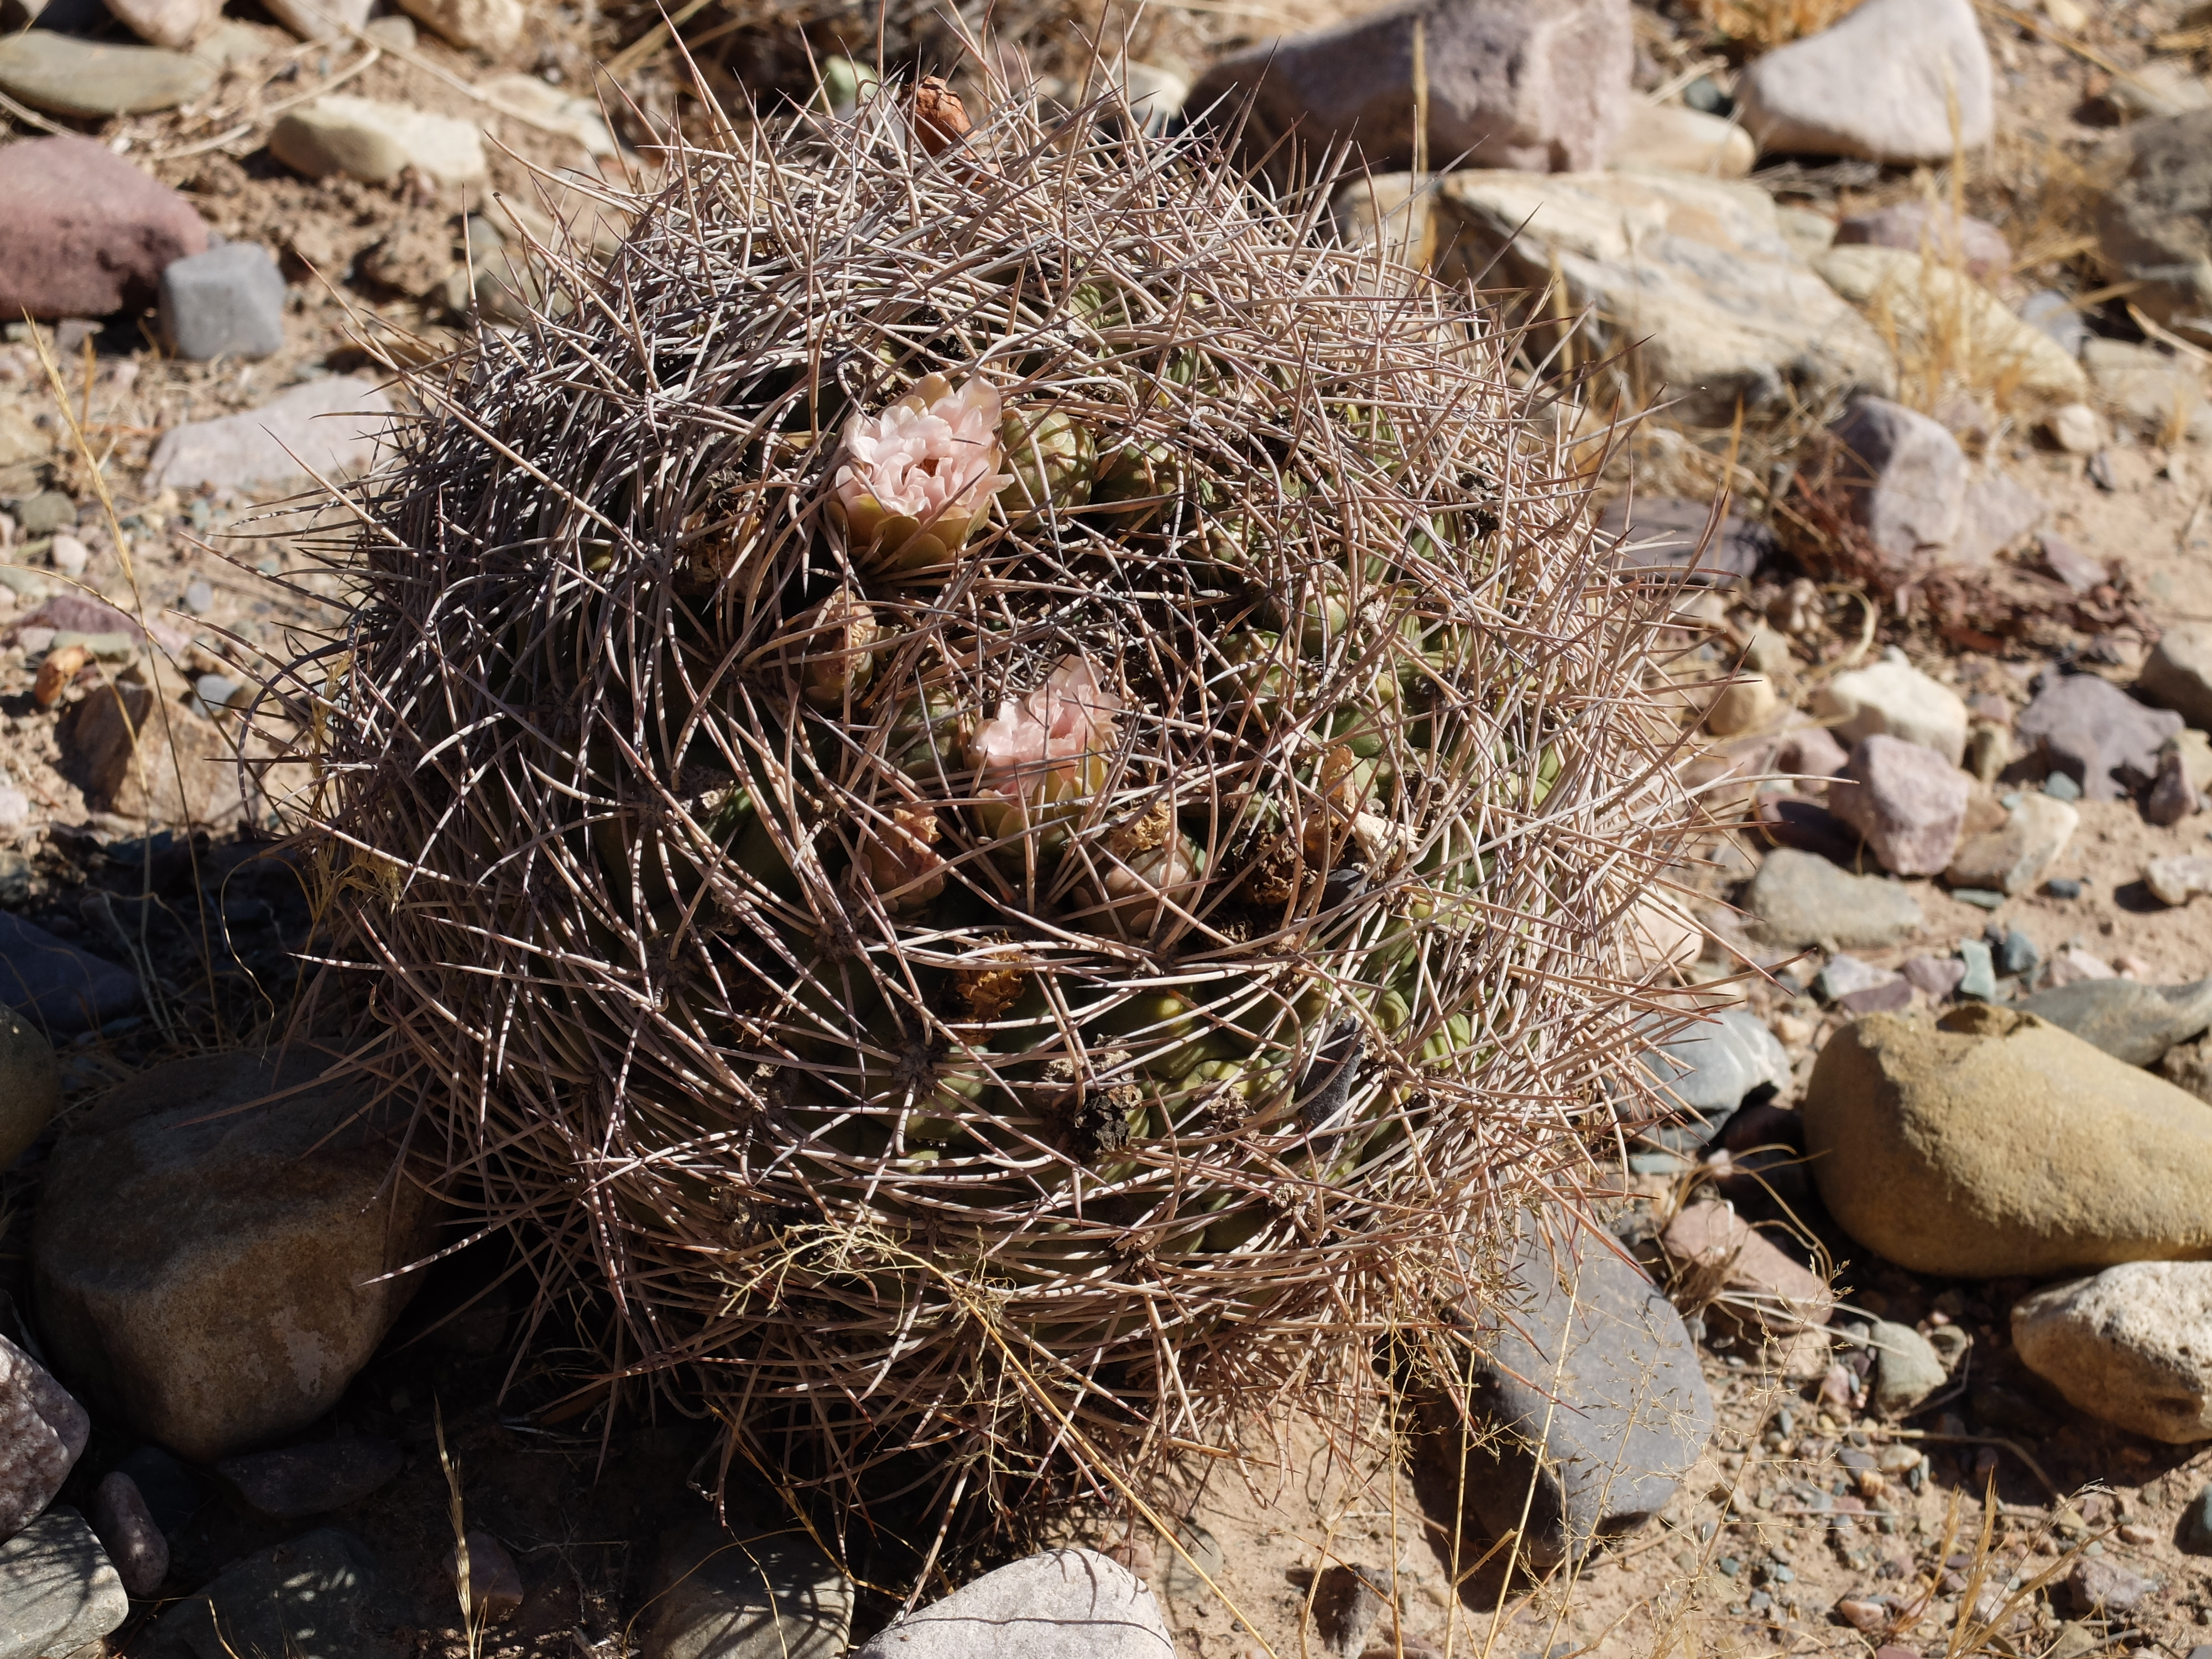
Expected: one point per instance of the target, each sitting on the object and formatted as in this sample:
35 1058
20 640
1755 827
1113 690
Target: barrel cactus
998 788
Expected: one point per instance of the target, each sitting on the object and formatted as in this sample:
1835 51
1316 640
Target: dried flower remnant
904 863
1048 749
917 478
940 120
836 651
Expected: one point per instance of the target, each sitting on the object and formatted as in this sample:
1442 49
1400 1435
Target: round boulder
1992 1142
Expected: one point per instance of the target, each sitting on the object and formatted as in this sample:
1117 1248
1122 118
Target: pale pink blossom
1051 747
918 479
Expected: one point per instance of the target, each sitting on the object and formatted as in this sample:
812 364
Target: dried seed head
939 120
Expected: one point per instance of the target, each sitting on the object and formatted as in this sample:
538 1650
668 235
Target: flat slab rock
315 1596
55 984
64 75
298 1481
58 1591
1799 898
1062 1604
1695 273
1585 1390
327 427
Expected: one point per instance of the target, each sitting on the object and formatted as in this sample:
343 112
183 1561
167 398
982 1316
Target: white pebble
69 554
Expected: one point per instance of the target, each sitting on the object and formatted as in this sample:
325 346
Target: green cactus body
1052 458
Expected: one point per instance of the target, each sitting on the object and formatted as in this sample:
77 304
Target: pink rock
495 1582
1862 1614
2072 966
1538 85
87 232
1937 977
1811 751
42 1434
1909 803
2096 733
1763 1286
2071 565
1932 233
1905 478
171 23
128 1533
2171 799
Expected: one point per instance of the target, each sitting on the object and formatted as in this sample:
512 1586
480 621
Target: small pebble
214 692
2133 1533
2059 786
2063 887
2016 953
199 598
1981 980
69 554
126 1530
1987 898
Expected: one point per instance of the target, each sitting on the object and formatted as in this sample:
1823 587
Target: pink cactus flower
918 479
1050 748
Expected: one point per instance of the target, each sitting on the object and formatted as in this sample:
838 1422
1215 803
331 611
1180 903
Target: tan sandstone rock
2132 1345
1991 1143
209 1262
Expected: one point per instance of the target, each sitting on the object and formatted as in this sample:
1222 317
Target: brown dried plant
895 1108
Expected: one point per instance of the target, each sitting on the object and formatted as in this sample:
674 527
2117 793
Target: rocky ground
1945 671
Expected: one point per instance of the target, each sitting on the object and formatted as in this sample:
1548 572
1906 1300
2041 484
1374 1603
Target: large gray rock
1991 1144
208 1269
1711 1066
2132 1345
1538 84
1586 1404
330 426
2178 673
720 1595
313 1597
1695 273
1905 479
58 1592
2096 733
88 233
2154 228
42 1434
1063 1604
30 1086
2128 1020
1799 898
1663 534
55 985
1882 84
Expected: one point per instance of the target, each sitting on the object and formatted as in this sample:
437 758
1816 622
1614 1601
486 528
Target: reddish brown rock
1909 802
88 233
1754 1280
1537 85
